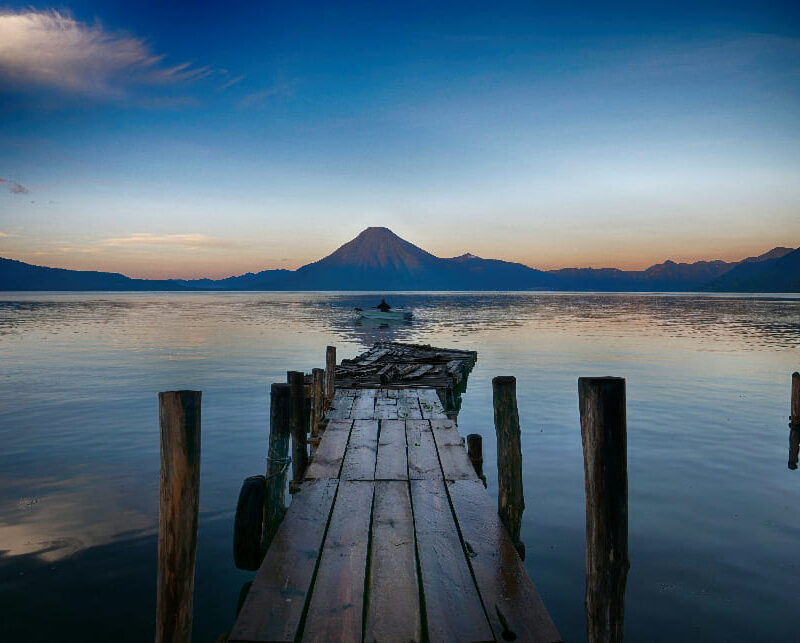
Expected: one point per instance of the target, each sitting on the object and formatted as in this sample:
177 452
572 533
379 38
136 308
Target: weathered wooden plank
274 605
392 461
408 407
452 454
393 612
445 573
336 607
512 603
423 463
359 458
330 453
341 405
430 404
364 405
385 408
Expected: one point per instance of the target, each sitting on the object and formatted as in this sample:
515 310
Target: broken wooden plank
359 458
444 571
392 460
330 453
418 372
423 462
335 610
373 356
393 612
274 604
452 454
511 600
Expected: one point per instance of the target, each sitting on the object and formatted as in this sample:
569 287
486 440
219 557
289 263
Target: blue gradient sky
569 135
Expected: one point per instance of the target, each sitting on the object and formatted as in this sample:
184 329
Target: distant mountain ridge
778 273
378 259
18 275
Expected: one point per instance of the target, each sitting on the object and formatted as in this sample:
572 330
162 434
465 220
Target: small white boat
383 312
388 315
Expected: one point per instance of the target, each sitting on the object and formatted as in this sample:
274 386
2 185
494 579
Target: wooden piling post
794 418
179 418
317 400
298 427
330 372
277 456
604 437
475 452
510 497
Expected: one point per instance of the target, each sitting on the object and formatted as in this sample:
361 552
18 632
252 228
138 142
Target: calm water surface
714 509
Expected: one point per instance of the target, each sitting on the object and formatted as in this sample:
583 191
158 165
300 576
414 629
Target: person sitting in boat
383 306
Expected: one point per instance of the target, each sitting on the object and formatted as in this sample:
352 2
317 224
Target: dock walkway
392 537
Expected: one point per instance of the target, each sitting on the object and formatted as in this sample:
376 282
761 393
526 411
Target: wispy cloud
14 187
52 49
4 235
259 98
231 83
181 240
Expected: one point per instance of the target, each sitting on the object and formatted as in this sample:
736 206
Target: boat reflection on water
794 445
368 322
368 331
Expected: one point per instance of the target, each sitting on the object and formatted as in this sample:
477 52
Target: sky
185 139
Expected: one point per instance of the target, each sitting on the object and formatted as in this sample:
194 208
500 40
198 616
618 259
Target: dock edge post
605 457
277 462
297 423
794 418
317 401
179 488
475 452
510 496
330 372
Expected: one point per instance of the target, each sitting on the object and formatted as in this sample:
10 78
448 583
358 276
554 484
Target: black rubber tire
248 522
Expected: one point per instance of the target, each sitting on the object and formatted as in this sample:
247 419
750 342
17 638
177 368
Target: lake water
714 510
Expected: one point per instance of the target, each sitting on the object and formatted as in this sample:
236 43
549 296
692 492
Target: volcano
378 259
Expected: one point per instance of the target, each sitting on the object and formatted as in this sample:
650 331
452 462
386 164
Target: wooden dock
392 535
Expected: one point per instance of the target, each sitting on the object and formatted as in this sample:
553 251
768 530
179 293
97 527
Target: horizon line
546 270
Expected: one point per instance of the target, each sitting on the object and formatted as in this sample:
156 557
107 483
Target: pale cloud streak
14 187
51 49
260 98
231 82
145 239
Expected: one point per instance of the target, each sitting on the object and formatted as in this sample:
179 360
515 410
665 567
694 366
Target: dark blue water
714 509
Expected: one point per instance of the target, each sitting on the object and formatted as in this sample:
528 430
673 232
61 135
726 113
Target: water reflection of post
794 422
